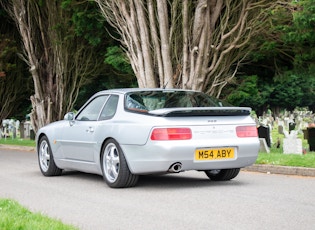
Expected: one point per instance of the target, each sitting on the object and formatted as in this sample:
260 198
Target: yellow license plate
214 154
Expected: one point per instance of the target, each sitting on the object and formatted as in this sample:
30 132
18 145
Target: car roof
129 90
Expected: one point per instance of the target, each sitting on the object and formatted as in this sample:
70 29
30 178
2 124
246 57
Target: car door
78 139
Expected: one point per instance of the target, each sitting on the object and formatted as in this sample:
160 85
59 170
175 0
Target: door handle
90 130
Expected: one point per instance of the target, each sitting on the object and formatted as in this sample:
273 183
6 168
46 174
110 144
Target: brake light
246 131
168 134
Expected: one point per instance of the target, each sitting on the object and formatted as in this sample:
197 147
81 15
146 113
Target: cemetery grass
276 156
15 216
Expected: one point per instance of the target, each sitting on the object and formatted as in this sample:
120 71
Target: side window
135 102
93 109
110 108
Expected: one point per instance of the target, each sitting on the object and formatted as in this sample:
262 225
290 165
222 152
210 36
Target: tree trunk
41 100
60 63
200 47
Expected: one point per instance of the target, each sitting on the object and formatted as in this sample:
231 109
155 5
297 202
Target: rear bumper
158 157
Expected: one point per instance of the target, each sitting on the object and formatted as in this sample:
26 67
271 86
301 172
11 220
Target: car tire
222 174
46 160
115 169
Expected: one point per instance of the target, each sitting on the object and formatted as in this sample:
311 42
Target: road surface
177 201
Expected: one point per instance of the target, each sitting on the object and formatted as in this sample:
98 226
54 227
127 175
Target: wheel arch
51 144
39 138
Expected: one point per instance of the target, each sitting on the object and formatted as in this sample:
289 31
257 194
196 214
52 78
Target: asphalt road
178 201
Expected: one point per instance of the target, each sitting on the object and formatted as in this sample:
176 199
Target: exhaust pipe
175 168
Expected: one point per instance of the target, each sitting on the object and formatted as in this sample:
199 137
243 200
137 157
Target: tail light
169 134
246 131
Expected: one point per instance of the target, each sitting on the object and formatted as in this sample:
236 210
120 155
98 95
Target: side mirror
69 116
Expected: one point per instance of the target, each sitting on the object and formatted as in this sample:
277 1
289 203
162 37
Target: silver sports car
124 133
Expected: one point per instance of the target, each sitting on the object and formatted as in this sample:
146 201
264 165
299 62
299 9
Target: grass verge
19 142
14 216
275 158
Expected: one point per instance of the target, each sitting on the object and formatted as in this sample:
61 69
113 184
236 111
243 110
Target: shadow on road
170 181
161 181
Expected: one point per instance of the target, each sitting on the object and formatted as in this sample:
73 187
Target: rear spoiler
201 111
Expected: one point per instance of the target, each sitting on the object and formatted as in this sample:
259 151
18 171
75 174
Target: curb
285 170
16 147
269 169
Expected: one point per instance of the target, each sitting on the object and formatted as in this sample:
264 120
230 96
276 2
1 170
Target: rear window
144 101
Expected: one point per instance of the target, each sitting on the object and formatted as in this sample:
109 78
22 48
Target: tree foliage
14 83
248 92
117 58
290 90
283 62
300 34
290 40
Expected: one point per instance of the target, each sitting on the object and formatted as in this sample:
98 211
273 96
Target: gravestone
311 138
264 132
14 132
263 146
292 144
280 129
22 130
27 129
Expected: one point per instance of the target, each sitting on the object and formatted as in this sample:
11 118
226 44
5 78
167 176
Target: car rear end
196 139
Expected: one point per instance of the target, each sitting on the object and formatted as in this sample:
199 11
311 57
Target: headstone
280 129
22 130
5 133
311 138
264 132
32 134
27 129
292 144
14 132
263 146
